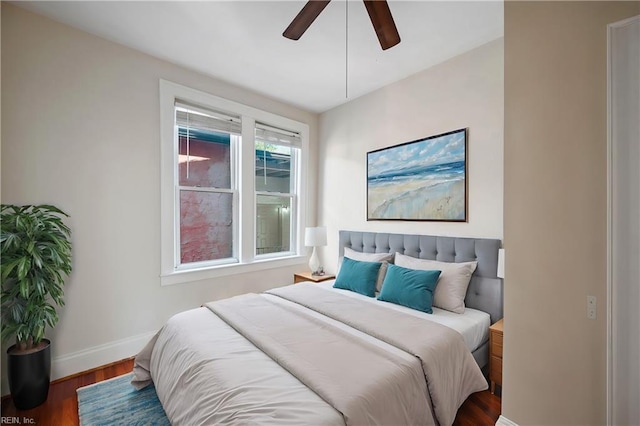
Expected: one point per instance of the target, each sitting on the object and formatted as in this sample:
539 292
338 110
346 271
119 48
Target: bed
313 354
485 291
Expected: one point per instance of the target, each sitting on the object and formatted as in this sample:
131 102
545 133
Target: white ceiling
241 42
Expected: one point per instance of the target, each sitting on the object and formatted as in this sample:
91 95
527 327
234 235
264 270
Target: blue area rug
116 402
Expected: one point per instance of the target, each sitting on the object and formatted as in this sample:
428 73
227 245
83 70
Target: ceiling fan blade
383 23
305 18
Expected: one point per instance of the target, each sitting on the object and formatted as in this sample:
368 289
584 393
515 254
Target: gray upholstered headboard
485 288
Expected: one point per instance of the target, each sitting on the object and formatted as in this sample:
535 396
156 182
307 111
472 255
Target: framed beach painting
424 179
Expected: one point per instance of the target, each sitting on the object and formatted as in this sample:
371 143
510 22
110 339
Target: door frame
610 336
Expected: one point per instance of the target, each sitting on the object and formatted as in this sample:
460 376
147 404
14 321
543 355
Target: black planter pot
29 376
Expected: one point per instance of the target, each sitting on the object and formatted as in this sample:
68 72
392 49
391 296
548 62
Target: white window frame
245 238
293 195
233 190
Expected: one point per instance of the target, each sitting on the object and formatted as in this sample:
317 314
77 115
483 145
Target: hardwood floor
480 409
61 408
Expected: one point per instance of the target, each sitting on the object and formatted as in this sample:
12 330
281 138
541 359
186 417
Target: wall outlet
591 307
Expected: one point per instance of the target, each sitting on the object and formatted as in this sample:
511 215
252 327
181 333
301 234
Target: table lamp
315 237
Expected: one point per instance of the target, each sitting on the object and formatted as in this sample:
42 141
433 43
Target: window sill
179 277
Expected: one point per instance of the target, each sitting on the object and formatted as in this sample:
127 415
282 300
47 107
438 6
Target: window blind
191 116
274 135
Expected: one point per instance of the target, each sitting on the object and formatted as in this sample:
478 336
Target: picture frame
421 180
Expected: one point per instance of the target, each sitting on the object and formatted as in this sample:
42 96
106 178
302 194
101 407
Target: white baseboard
96 356
93 357
503 421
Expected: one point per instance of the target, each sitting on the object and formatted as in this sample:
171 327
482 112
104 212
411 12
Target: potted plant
35 259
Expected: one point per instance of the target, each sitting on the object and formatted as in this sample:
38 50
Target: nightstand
306 276
495 354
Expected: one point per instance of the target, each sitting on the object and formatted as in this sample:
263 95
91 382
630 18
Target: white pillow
383 258
452 284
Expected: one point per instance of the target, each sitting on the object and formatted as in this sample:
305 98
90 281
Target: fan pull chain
346 49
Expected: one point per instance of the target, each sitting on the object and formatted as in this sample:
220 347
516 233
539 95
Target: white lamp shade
500 263
315 237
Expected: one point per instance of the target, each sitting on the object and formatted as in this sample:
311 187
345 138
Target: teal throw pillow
409 287
358 276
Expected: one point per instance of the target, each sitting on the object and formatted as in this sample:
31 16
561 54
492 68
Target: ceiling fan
379 14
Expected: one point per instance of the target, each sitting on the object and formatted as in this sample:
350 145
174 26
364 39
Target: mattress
473 324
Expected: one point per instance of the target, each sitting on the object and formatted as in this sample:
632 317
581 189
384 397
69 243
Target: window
232 185
277 153
206 185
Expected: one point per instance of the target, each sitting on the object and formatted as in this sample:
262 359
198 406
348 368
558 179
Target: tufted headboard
485 288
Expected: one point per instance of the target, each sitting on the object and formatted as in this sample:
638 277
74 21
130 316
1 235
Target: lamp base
314 263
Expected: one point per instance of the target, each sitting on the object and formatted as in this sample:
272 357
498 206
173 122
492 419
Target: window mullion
247 191
298 209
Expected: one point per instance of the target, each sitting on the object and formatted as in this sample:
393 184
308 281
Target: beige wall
0 105
465 91
81 130
555 210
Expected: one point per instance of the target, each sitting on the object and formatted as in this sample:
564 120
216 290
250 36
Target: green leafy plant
36 257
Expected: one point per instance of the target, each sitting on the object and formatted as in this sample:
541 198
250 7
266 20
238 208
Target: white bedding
206 373
473 324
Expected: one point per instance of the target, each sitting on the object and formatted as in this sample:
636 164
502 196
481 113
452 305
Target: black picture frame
422 180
